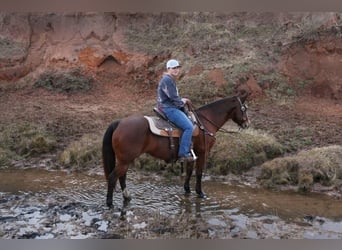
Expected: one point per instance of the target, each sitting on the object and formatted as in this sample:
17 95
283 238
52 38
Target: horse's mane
215 102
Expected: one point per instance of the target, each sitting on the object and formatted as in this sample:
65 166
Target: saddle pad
161 127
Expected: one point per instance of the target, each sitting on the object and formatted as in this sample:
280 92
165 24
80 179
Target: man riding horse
172 105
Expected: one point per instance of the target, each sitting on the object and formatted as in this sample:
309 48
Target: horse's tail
108 154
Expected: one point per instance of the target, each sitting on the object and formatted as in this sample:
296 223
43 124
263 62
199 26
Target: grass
5 157
69 81
236 153
199 90
318 165
23 141
240 44
10 48
82 154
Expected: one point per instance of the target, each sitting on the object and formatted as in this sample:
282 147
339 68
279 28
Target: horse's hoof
201 195
123 214
126 195
127 199
110 204
126 202
187 194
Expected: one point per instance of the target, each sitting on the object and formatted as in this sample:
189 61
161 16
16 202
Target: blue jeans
180 119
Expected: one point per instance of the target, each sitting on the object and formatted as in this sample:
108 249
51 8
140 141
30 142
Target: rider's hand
185 100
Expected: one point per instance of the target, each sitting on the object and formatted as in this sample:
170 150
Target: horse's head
240 115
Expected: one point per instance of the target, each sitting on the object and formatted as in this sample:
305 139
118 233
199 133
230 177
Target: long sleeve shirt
168 93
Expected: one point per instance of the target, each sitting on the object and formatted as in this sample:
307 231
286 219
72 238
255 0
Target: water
246 207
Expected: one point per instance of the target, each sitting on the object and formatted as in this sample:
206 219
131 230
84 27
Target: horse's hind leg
125 192
111 185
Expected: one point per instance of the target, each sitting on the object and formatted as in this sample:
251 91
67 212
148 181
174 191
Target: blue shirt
168 93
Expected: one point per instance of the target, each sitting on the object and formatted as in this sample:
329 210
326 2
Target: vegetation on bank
303 170
239 44
239 152
24 140
64 81
232 153
82 154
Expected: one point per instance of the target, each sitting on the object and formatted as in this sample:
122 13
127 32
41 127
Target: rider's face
174 71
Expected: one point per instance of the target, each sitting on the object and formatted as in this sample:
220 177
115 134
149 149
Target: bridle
243 108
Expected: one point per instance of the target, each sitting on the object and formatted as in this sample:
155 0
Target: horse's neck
217 113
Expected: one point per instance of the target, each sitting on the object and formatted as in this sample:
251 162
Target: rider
171 104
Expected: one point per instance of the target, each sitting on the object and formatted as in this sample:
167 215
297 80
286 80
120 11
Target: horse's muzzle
245 124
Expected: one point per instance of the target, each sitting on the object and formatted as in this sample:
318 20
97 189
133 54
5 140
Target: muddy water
248 209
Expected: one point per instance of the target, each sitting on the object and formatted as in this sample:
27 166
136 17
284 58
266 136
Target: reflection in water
191 205
238 202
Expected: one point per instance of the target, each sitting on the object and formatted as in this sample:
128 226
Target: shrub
318 165
4 157
27 140
239 152
70 81
83 153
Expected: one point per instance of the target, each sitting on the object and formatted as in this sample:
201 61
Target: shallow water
238 202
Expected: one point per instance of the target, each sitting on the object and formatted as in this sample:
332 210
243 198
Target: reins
203 128
219 129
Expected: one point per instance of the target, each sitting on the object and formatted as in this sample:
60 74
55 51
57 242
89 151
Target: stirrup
193 154
187 158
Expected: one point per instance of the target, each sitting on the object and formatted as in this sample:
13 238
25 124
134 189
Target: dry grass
69 81
82 154
24 140
239 152
318 165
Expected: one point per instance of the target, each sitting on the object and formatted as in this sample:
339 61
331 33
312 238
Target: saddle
160 125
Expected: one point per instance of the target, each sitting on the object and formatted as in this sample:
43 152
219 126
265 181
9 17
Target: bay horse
126 139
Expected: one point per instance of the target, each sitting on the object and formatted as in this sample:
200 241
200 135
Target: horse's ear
243 94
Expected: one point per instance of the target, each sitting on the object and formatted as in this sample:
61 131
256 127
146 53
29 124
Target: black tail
108 154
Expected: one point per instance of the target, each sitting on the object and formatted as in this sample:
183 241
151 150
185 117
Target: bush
71 81
27 140
82 154
239 152
318 165
5 157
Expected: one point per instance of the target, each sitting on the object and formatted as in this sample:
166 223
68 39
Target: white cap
172 64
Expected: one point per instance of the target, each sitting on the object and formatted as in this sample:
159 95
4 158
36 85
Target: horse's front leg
189 169
199 171
125 193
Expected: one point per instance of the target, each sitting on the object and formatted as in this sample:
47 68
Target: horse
126 139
